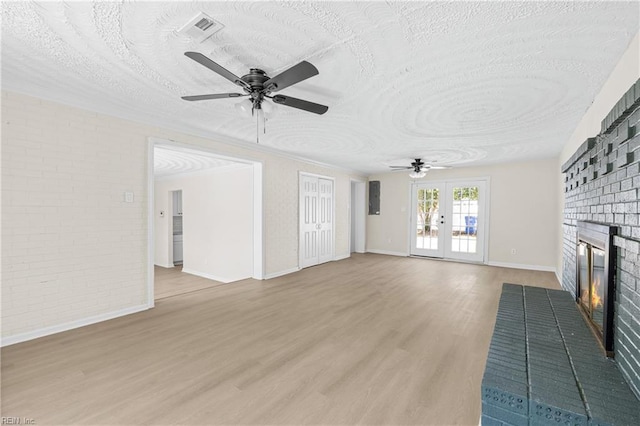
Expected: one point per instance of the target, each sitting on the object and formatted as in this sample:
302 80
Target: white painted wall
360 207
217 223
73 251
523 212
625 73
352 208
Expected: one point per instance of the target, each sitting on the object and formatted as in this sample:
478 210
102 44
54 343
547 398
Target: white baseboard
522 266
30 335
164 266
342 257
558 277
209 276
387 252
281 273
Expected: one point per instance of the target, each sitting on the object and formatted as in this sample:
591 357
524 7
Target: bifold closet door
316 220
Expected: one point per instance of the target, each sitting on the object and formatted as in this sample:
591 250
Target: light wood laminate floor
368 340
170 282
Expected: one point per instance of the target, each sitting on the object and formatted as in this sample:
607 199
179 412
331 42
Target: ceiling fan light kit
258 86
417 175
244 107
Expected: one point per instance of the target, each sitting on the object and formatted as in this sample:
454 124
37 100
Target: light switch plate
128 197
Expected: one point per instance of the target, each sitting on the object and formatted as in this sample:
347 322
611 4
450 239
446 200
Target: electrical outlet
513 251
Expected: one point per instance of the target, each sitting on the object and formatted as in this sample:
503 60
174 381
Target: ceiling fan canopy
258 86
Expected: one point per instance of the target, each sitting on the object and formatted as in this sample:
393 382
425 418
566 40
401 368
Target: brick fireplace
602 184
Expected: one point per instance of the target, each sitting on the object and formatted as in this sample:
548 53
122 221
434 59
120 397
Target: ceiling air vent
200 28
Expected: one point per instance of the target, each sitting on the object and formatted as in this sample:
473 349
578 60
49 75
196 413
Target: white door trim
258 219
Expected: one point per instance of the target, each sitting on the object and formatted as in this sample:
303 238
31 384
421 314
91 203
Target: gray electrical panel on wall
374 197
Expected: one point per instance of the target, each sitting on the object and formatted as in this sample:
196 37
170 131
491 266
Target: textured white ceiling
169 162
454 82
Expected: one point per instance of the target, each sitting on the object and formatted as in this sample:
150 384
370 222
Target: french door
448 220
316 220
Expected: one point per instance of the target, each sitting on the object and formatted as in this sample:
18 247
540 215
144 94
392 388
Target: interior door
426 228
448 220
316 220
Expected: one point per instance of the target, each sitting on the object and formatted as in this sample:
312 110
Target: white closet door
316 220
308 221
325 220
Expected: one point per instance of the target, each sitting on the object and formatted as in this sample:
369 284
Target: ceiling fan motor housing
255 79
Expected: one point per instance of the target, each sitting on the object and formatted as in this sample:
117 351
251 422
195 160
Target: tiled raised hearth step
546 367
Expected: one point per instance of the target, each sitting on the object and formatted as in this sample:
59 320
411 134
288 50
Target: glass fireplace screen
592 281
595 283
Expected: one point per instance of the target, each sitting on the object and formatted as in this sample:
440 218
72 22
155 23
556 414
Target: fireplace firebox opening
595 283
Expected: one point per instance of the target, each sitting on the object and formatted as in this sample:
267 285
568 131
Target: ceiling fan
419 167
258 86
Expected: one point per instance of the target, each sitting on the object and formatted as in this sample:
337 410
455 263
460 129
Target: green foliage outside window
429 200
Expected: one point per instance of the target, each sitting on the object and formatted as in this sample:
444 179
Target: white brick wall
71 248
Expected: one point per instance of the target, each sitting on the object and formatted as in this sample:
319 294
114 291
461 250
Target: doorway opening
449 220
205 219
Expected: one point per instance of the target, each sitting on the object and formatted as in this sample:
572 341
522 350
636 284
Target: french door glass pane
427 223
464 217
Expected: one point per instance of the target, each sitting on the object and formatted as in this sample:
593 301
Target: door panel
308 221
465 216
426 240
325 195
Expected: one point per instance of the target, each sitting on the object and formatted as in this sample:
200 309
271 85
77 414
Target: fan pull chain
258 128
